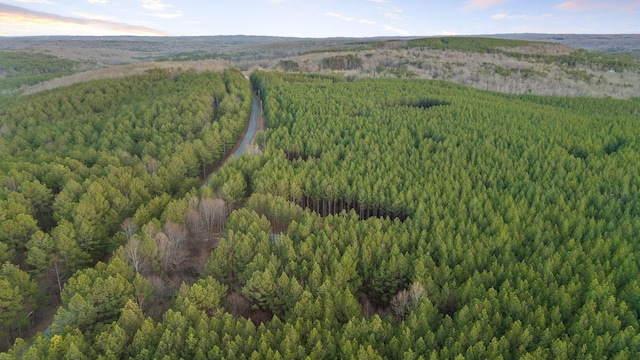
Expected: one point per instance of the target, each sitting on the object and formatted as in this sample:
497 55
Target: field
410 198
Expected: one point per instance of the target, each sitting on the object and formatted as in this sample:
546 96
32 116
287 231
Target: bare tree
135 255
161 290
195 224
213 213
151 165
238 305
4 130
405 300
129 227
172 245
368 310
193 202
10 183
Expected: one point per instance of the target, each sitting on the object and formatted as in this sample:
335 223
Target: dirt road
250 133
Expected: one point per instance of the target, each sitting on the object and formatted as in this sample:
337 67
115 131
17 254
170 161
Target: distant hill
545 64
623 43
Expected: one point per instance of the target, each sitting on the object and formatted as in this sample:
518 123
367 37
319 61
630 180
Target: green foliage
289 65
78 161
21 68
206 295
18 298
579 75
395 218
600 61
467 44
578 58
342 62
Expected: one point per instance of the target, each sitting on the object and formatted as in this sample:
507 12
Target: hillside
409 198
564 65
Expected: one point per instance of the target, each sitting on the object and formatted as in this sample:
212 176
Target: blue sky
316 18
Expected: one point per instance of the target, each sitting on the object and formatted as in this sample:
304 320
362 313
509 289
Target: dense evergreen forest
386 218
84 166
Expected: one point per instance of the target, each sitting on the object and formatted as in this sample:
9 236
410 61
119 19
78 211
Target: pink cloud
482 4
18 21
594 5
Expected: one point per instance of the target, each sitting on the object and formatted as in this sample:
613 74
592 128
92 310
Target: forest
21 68
84 166
382 218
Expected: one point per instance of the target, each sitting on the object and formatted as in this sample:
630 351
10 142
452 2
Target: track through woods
245 142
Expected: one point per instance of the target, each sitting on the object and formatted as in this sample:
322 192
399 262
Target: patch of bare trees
405 300
170 254
206 217
172 245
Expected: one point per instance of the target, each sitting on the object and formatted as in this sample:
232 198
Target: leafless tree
172 246
151 165
160 289
195 224
213 213
405 300
4 130
193 202
129 228
10 183
135 255
238 305
368 310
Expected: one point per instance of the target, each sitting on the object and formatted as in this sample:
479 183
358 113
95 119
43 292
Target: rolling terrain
455 197
506 71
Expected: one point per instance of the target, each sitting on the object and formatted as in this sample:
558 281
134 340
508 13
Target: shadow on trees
364 210
421 103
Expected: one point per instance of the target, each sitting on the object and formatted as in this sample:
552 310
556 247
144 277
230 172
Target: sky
316 18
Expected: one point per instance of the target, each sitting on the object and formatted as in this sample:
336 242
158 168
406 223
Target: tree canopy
385 218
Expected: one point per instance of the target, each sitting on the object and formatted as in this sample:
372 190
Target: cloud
18 21
482 4
340 16
35 2
92 16
174 15
394 14
160 7
505 16
594 5
156 5
402 32
350 19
